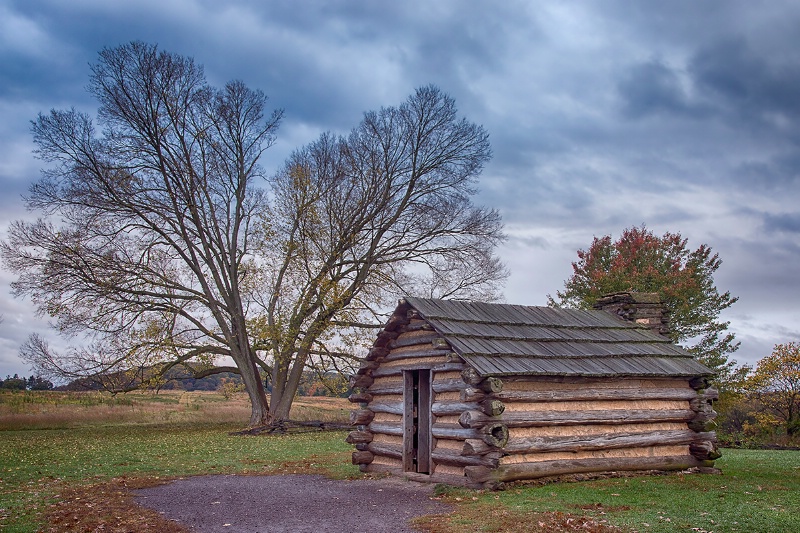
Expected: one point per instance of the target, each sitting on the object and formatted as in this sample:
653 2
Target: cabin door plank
417 438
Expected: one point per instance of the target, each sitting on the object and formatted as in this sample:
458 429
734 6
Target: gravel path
291 503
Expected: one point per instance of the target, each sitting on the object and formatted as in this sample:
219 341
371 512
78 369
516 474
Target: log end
361 417
362 457
491 385
495 434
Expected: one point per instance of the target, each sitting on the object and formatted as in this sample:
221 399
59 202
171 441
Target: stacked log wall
562 426
411 344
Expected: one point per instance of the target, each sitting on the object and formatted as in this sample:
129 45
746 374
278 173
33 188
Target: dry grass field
61 410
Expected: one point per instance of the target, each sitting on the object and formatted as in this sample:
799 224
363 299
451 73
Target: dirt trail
291 503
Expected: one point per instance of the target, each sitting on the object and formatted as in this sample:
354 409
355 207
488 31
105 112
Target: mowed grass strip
759 492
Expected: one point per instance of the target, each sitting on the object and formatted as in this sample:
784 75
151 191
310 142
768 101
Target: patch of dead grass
502 520
499 519
107 507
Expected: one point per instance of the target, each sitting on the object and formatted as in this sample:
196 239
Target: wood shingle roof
502 340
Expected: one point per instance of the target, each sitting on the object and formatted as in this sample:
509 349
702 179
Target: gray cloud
784 222
653 88
681 115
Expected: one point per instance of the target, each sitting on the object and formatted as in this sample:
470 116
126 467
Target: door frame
417 438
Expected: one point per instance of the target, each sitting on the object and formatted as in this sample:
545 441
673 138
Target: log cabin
480 394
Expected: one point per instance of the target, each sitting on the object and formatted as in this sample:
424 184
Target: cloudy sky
681 115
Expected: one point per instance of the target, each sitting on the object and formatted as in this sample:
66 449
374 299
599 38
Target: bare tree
154 214
383 211
157 241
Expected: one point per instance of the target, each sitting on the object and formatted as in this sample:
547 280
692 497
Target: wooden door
417 421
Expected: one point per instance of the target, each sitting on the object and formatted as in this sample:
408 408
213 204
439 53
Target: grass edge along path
45 474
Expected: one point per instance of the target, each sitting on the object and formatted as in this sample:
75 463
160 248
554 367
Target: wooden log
453 458
700 382
423 350
481 474
455 366
386 450
522 471
703 420
362 457
439 456
705 450
377 353
440 343
487 407
596 394
454 432
361 417
473 419
710 394
416 325
413 340
488 384
386 388
385 337
361 381
607 441
398 370
495 434
701 425
492 407
491 385
471 376
386 429
360 397
367 367
413 314
472 394
358 437
447 385
396 321
452 408
518 419
476 447
441 385
386 407
699 405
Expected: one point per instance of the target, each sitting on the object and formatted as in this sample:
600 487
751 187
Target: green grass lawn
759 491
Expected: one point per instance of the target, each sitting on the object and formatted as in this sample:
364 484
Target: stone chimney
643 308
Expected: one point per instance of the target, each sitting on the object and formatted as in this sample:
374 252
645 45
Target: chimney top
644 308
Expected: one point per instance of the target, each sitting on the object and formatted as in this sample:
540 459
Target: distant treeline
331 384
22 383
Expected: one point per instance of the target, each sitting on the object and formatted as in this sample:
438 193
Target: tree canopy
684 279
776 383
157 240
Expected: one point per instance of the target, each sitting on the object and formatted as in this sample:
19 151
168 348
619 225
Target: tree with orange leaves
684 279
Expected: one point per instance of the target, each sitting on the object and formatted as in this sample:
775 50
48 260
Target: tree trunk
259 408
283 393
